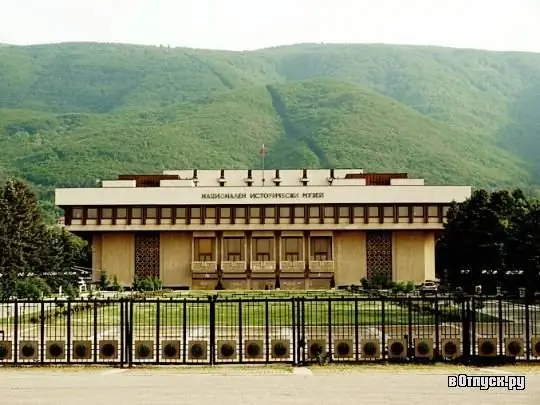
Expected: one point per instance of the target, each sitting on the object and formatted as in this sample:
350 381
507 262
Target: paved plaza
393 385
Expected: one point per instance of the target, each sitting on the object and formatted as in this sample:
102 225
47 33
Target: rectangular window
388 212
403 212
121 213
136 213
263 249
299 211
284 212
225 212
166 213
270 212
181 212
233 249
433 211
329 212
314 211
373 212
292 248
358 212
203 249
196 212
151 213
418 211
92 213
445 211
255 212
240 212
321 248
210 212
77 213
344 212
106 213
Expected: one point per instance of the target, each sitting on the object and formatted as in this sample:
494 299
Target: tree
480 236
22 233
29 248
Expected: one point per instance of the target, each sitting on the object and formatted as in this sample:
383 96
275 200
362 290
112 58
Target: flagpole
263 153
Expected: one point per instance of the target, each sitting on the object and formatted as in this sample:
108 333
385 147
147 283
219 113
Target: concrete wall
175 259
413 256
118 256
350 257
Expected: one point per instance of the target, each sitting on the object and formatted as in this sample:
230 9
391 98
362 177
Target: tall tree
478 237
22 232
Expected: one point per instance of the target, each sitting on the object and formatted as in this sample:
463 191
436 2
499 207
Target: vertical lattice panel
379 254
146 256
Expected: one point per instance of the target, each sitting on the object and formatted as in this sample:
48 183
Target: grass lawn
249 312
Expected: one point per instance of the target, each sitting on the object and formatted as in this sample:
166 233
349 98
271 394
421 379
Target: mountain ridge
74 112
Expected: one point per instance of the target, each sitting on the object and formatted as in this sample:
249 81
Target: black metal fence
268 330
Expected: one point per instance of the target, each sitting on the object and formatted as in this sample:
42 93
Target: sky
253 24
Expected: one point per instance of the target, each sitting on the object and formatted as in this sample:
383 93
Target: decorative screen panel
379 254
146 255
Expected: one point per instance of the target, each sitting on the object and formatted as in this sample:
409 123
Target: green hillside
74 113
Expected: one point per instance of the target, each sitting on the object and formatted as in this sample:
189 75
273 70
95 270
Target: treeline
492 240
36 259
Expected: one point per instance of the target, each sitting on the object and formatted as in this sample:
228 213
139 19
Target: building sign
261 196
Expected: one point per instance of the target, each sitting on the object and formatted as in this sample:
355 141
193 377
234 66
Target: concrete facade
296 229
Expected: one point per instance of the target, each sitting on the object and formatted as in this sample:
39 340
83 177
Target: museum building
259 229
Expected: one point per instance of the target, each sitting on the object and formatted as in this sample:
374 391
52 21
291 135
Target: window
210 212
196 212
263 249
284 212
314 211
373 212
233 249
321 248
136 213
299 212
292 248
358 212
203 249
240 212
270 212
418 212
255 212
445 211
77 213
225 212
121 213
92 213
433 211
165 213
329 212
344 212
181 212
151 213
106 213
388 212
403 212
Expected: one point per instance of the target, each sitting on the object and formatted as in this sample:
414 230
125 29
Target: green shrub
116 286
33 288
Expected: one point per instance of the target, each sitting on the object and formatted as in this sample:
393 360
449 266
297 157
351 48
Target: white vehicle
429 287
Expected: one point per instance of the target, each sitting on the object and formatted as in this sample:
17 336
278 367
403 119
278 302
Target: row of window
269 212
263 249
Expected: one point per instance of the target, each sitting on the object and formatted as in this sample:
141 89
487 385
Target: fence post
158 319
212 326
42 332
383 328
527 330
16 331
129 329
123 330
500 316
466 328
